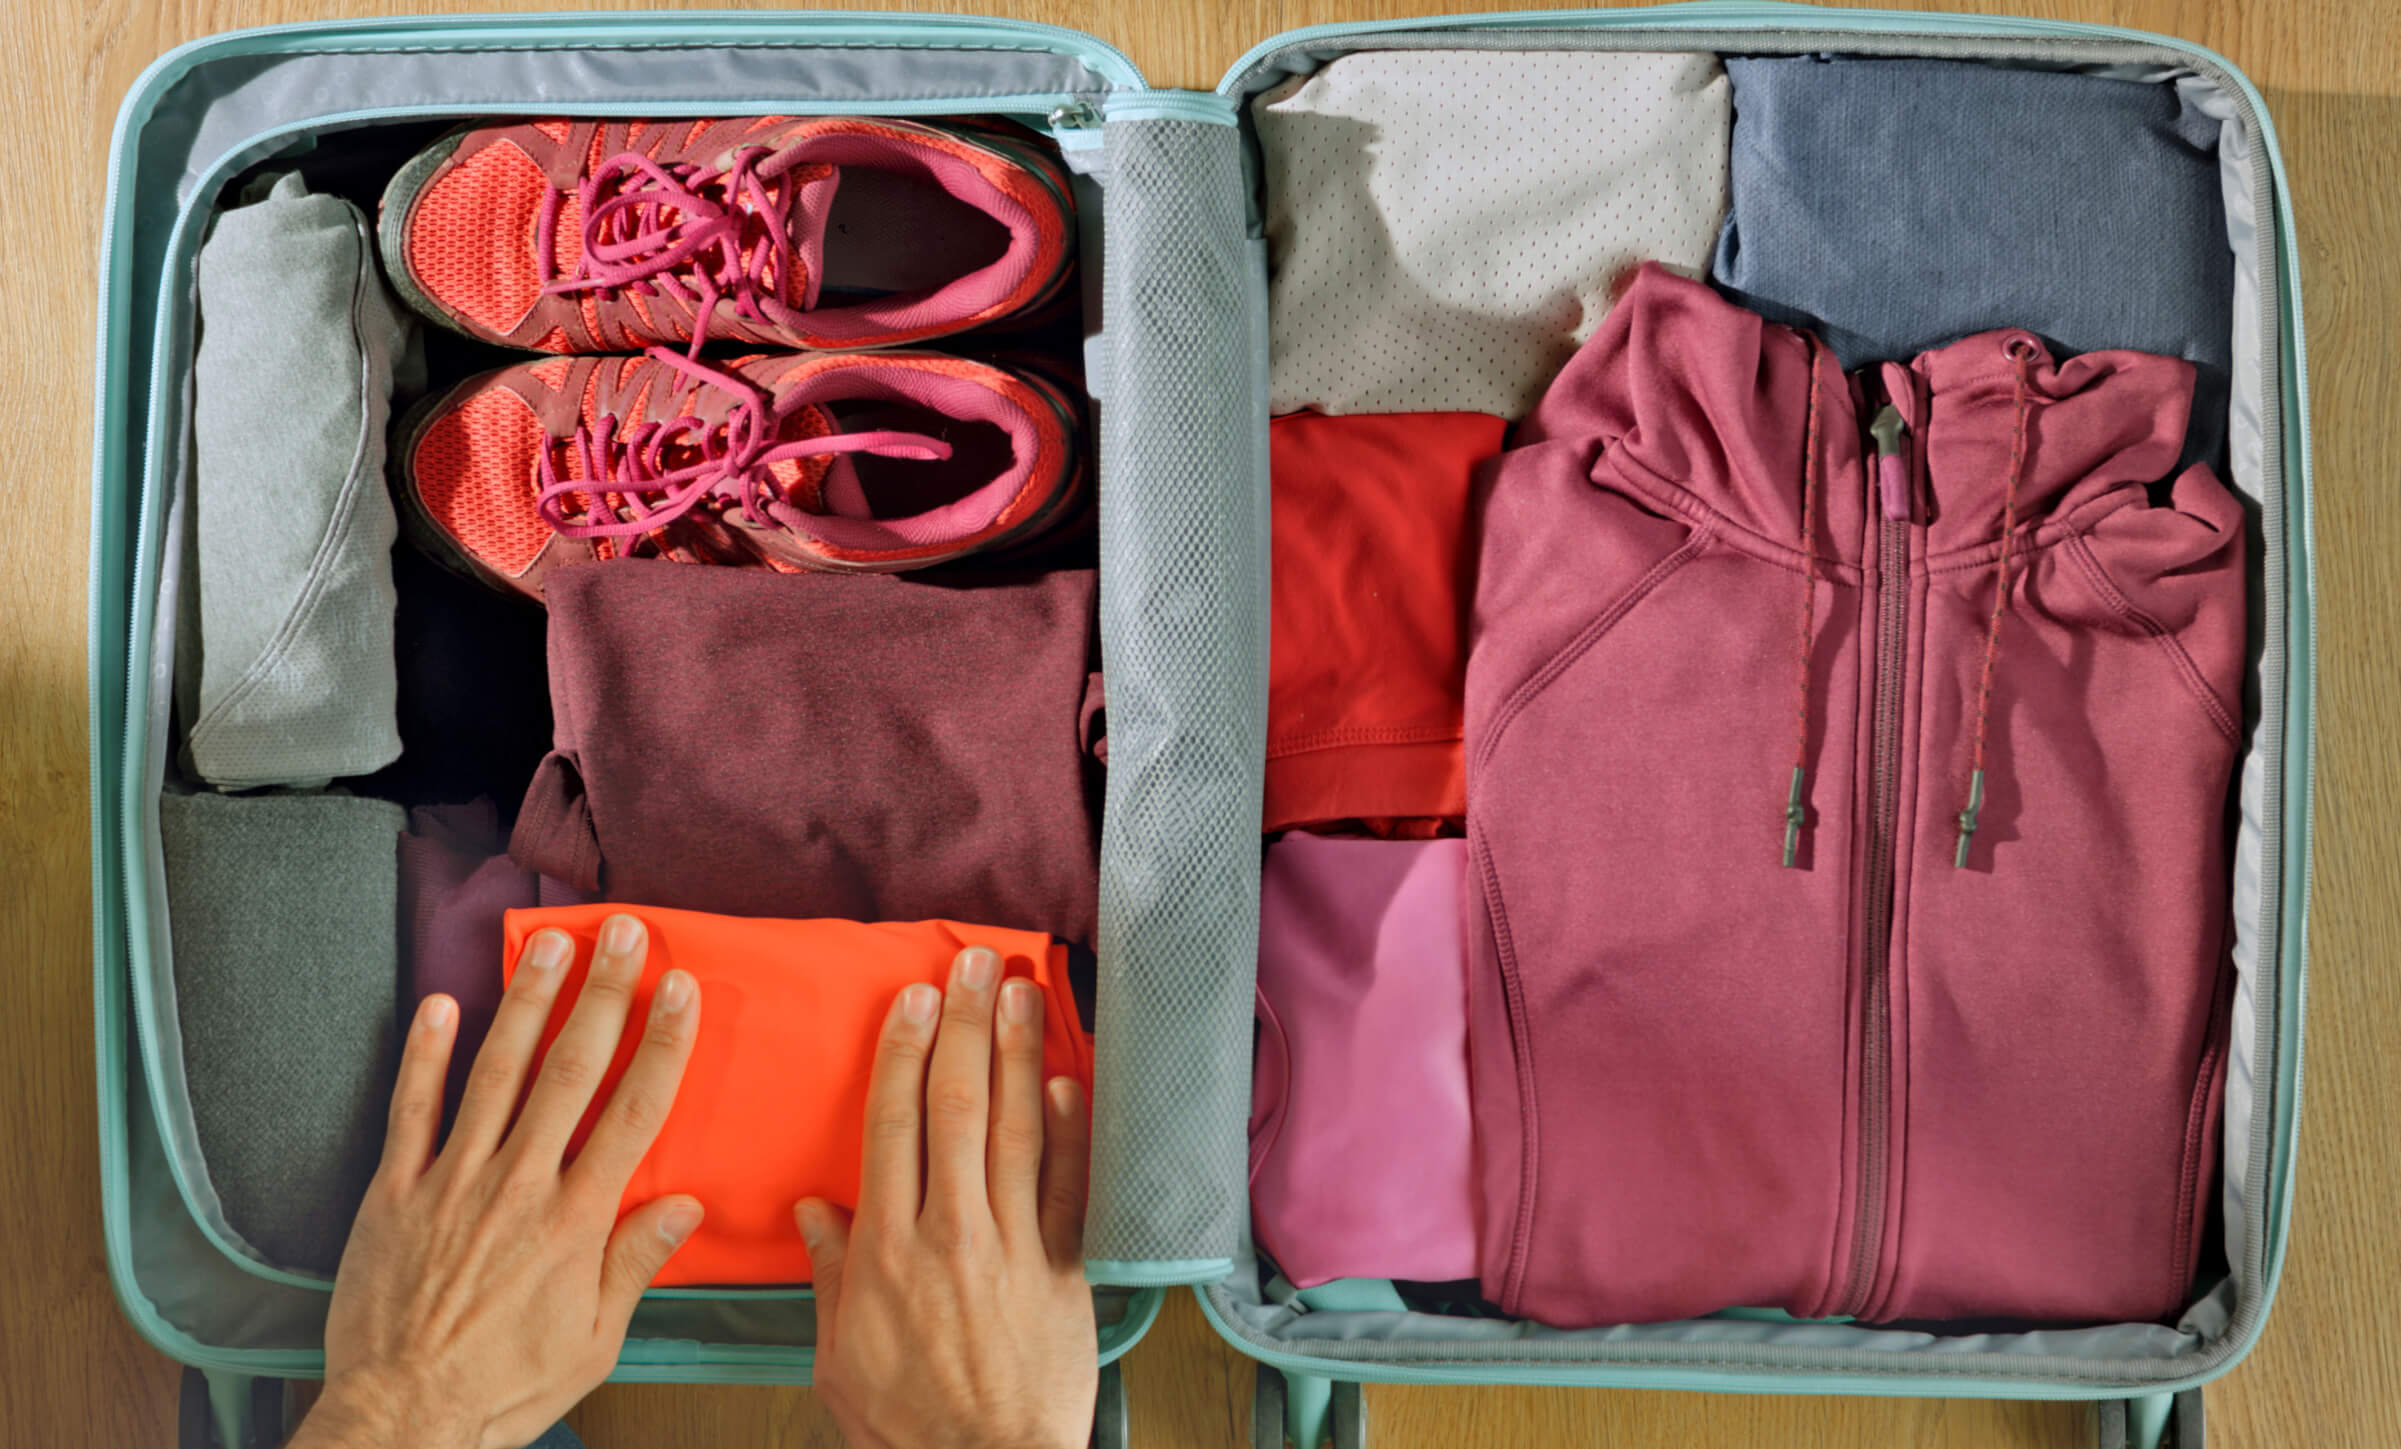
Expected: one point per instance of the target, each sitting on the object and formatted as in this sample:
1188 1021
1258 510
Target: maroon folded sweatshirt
871 747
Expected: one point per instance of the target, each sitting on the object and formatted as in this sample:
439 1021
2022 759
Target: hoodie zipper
1888 490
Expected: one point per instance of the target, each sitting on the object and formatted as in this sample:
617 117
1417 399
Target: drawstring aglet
1967 818
1794 813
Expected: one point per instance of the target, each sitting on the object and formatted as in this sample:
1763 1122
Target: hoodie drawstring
1795 811
2021 355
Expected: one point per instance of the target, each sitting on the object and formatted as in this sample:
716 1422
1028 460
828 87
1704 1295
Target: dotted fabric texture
1444 226
1183 614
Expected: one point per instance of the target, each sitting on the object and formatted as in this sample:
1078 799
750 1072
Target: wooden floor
2329 1371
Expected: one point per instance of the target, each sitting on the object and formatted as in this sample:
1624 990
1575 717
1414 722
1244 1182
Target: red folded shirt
771 1104
1367 655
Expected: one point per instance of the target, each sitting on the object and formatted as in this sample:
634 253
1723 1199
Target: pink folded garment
1361 1146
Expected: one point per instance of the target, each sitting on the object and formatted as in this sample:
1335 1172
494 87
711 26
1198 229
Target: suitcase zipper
1888 490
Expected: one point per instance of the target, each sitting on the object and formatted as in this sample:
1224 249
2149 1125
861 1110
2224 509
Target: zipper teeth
1875 977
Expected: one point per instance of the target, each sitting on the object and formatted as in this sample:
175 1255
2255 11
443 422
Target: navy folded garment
1896 205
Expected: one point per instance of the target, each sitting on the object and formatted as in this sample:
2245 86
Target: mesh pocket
1183 622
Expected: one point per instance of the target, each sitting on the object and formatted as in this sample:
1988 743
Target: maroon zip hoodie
1985 626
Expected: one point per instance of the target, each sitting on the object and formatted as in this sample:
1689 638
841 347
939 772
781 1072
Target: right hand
952 1309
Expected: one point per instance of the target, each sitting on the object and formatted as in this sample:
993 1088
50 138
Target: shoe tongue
803 482
812 206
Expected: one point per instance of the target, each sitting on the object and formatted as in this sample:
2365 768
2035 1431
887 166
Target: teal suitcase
1177 366
195 118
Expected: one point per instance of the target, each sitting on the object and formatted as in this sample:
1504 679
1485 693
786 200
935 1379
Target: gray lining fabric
2222 1323
1183 636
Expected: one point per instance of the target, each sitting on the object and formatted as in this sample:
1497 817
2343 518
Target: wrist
364 1410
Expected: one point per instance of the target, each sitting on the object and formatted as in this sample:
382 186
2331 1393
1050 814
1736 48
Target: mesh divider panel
1183 627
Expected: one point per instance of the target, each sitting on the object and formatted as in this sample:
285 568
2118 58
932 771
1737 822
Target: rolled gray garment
291 392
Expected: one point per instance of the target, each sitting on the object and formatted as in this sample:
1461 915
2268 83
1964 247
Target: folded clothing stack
1444 226
870 748
1894 205
753 712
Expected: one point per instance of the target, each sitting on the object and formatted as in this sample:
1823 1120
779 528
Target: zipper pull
1967 819
1795 813
1074 116
1891 433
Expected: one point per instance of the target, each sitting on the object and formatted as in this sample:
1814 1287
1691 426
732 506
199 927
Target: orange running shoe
829 462
824 232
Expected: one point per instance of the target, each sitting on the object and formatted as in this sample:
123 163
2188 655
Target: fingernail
675 991
678 1222
547 951
1017 1002
436 1013
918 1002
620 935
1064 1094
811 1218
978 967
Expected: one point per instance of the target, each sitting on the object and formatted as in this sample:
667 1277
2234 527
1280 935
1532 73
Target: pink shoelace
645 224
733 460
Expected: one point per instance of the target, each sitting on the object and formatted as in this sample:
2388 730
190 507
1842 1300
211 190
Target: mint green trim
602 30
2147 1420
1172 106
1754 15
2301 713
1156 1272
1654 1376
229 1406
1308 1404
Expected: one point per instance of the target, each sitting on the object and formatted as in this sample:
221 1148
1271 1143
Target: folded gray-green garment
292 387
283 916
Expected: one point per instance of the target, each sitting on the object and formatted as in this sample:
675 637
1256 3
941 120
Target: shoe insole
889 231
903 487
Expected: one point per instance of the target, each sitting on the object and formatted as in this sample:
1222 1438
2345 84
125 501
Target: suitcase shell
1176 276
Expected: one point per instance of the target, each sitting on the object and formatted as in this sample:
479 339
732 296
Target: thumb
637 1250
826 1230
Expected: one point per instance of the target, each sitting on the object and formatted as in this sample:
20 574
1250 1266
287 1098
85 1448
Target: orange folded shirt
1367 648
771 1105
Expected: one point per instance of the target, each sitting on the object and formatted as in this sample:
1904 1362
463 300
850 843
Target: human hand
952 1310
485 1290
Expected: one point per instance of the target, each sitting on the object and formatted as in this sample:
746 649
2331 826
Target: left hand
485 1290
